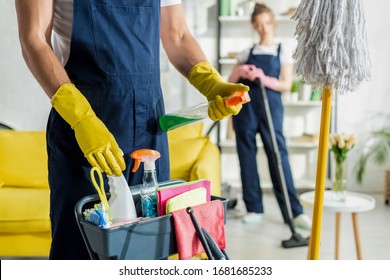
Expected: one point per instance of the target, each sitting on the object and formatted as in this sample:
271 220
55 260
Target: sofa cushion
24 210
24 245
208 167
183 154
23 158
186 132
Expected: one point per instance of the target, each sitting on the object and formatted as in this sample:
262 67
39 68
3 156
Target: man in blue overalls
263 61
102 73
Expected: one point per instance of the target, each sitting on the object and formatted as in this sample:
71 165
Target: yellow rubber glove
205 78
97 143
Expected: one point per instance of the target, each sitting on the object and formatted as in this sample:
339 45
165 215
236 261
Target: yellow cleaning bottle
149 180
198 112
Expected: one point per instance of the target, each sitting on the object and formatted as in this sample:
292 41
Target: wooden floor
263 241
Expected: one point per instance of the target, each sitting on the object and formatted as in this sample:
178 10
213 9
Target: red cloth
210 216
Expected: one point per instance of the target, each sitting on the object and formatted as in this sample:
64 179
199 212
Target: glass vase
339 184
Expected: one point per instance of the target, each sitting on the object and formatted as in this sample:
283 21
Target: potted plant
375 148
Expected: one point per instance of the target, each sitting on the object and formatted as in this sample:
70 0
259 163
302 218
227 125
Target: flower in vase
340 145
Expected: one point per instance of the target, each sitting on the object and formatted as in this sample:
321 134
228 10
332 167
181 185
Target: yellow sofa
24 191
193 156
24 195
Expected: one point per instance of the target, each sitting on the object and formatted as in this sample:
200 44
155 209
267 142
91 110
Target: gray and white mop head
332 44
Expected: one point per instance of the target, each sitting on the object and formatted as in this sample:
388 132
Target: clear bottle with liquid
148 193
149 180
198 112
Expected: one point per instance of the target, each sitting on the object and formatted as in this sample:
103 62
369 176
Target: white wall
355 110
24 105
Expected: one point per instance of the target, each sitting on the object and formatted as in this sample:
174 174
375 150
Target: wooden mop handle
315 236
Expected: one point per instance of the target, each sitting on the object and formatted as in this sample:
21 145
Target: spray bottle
198 112
149 180
122 207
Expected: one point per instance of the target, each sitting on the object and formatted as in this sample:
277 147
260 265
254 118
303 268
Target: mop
296 239
331 53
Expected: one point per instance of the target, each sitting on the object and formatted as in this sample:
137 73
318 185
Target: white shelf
229 146
304 184
227 61
267 184
301 145
302 104
247 18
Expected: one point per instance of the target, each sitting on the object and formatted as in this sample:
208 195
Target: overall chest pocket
126 38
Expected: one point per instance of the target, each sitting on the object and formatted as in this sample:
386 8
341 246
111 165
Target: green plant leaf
376 148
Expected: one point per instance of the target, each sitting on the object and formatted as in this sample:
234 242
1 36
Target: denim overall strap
252 120
114 62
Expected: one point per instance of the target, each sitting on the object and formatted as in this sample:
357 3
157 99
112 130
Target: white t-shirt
62 26
286 52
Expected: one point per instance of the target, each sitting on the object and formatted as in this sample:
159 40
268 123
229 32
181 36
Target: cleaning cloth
167 192
186 199
210 216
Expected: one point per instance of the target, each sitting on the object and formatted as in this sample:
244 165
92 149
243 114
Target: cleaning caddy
156 234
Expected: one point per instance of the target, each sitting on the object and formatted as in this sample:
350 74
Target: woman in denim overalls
263 61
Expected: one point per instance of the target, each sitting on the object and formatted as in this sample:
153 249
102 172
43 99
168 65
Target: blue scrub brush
97 216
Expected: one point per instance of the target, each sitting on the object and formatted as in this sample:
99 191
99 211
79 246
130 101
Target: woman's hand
256 73
241 71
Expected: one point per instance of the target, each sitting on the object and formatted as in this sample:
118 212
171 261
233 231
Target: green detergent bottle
198 112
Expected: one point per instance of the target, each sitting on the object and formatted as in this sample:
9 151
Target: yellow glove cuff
71 104
203 76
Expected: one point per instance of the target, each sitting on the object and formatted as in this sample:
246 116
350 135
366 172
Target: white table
354 203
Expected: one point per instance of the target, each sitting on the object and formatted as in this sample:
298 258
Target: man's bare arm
35 19
181 47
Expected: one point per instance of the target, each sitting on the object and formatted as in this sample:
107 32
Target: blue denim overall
252 120
114 62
